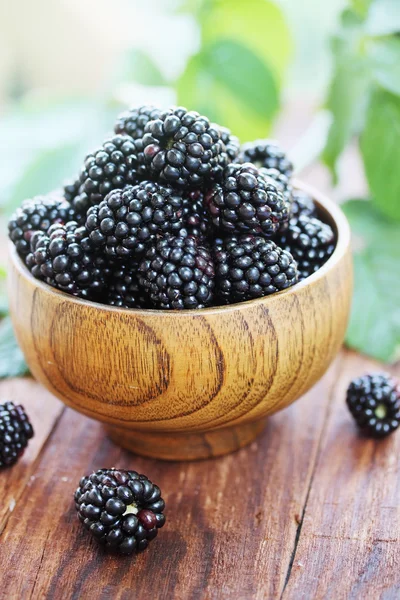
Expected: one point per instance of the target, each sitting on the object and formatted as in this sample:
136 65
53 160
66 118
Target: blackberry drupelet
181 147
37 214
15 431
133 121
123 287
302 205
231 142
248 267
64 259
126 220
196 221
247 202
114 165
311 243
374 402
122 509
178 273
267 154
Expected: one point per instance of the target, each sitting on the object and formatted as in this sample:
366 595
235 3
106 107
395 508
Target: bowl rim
343 236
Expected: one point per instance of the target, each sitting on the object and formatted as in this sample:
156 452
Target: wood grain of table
309 510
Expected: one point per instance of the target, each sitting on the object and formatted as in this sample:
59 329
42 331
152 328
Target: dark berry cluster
121 509
248 267
15 431
178 272
311 243
129 218
267 154
63 258
172 213
37 214
183 148
374 402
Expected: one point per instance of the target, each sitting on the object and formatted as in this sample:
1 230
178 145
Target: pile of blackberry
170 212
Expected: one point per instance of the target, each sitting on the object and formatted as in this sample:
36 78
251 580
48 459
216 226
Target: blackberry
37 214
267 154
126 220
133 121
64 259
122 509
311 243
248 267
195 220
113 165
15 431
71 190
247 202
374 402
282 182
231 142
302 205
123 288
183 148
178 273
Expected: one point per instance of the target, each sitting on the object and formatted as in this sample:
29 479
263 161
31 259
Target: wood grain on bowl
188 384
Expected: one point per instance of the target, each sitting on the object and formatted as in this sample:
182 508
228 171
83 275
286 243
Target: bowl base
186 446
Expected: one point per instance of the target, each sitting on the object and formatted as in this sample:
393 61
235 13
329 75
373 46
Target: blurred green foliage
364 100
235 77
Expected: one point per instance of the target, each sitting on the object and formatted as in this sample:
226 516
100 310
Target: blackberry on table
310 242
183 148
178 273
374 402
15 431
132 122
248 267
121 509
64 259
247 202
37 214
267 154
112 166
302 205
126 220
123 288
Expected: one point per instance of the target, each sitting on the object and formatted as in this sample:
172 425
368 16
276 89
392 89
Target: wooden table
310 510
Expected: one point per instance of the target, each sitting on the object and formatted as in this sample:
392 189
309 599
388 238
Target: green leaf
384 57
374 327
380 150
138 66
257 24
12 362
232 85
383 17
361 7
348 90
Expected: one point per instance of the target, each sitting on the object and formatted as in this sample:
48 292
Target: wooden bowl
186 384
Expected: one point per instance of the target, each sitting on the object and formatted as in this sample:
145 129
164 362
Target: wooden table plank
231 528
44 410
349 545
